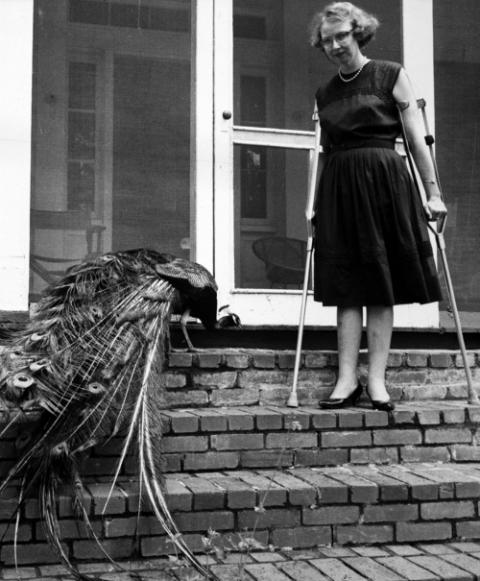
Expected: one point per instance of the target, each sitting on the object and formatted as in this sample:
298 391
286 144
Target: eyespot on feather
22 381
96 388
37 365
96 311
60 449
15 355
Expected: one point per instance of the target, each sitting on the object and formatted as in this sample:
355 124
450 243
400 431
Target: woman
371 240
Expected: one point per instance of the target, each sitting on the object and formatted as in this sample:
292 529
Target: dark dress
371 239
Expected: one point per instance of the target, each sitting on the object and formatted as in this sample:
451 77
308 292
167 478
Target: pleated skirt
371 239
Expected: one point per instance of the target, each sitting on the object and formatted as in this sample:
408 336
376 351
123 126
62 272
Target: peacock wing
183 272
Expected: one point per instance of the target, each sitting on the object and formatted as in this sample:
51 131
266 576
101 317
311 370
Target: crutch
312 186
439 233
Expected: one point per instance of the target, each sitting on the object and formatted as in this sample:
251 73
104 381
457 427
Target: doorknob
227 114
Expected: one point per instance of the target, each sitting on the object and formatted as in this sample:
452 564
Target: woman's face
338 43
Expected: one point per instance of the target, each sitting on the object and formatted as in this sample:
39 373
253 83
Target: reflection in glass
111 136
151 154
254 104
81 135
81 186
457 122
270 230
81 131
253 182
146 14
81 85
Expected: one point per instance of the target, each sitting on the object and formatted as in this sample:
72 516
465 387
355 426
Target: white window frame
202 184
16 46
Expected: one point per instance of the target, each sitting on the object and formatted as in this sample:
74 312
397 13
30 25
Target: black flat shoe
384 406
342 402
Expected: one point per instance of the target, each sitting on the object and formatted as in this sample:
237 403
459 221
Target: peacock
90 361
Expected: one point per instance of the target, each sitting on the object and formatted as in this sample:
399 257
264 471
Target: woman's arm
404 96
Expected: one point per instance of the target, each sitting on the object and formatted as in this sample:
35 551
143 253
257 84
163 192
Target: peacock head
227 318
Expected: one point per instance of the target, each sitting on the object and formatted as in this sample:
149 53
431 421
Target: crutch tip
292 401
473 400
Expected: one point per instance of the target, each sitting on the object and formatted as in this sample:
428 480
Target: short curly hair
364 24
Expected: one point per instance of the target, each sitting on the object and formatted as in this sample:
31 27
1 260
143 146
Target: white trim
202 133
223 148
268 307
273 137
16 48
418 49
265 306
418 60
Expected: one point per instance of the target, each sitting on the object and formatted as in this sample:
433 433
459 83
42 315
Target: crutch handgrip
429 140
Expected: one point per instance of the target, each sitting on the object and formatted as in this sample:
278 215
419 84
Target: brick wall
298 508
263 377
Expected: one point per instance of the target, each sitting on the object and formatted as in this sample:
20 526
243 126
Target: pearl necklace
350 79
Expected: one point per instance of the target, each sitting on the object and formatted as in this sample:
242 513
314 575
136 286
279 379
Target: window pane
253 106
151 153
271 42
81 89
111 131
276 74
270 232
89 11
253 181
81 135
81 186
457 122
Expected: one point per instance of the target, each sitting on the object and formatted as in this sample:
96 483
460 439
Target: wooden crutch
313 174
439 234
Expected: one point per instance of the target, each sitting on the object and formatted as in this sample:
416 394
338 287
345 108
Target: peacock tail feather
91 362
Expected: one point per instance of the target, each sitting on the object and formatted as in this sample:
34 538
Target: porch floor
458 561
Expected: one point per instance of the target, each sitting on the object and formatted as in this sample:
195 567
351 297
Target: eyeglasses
339 38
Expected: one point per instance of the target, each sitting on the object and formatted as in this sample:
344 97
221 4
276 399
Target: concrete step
299 508
275 437
459 561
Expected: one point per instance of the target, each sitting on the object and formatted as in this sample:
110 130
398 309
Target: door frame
281 307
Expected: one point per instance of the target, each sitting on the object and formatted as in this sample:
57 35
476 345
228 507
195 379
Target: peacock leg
183 326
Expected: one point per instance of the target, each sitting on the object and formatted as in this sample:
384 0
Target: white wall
418 61
16 48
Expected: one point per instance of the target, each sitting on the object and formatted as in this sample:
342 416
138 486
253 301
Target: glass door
268 76
114 152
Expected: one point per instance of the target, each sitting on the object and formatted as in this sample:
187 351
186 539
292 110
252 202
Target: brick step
458 561
270 436
232 377
298 508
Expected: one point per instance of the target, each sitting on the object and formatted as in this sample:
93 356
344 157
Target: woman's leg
379 335
349 333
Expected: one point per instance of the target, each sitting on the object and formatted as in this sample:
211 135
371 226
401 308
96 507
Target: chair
284 259
49 268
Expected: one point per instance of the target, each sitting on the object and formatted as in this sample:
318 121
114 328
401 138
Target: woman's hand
435 208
